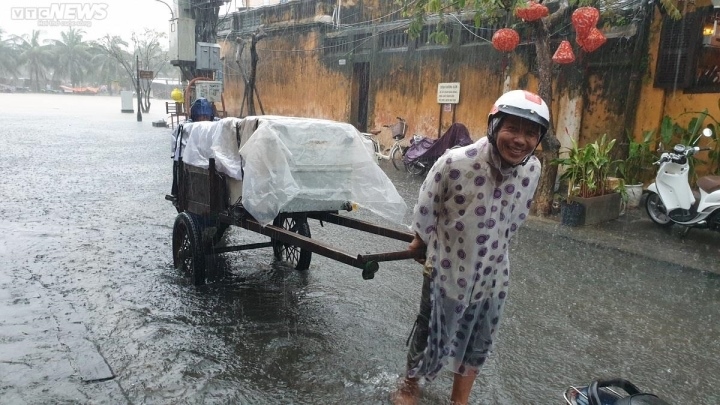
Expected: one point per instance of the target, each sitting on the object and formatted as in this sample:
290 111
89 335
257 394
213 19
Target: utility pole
137 86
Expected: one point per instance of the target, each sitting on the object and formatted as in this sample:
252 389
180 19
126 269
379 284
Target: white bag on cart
292 164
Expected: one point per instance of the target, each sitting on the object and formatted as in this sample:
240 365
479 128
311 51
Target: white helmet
523 104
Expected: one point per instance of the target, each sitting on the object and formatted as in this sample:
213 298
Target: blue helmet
199 107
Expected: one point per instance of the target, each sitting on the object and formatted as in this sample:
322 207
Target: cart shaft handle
391 256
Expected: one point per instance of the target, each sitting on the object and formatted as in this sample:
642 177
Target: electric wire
397 26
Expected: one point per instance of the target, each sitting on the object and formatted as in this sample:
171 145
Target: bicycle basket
398 130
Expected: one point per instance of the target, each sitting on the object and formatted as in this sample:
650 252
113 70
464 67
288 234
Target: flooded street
86 236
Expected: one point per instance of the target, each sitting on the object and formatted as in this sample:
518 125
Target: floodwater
83 214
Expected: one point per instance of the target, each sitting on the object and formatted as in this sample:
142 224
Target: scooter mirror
707 132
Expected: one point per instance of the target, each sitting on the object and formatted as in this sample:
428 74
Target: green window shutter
679 41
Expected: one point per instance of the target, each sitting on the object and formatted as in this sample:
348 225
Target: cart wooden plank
353 223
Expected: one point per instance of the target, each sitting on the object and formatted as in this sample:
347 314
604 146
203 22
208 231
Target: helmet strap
493 128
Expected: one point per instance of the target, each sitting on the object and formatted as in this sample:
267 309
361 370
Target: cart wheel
299 258
187 245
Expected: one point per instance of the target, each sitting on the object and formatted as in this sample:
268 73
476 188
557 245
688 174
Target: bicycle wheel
396 157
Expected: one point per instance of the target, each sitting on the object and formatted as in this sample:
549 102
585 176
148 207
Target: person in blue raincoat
200 110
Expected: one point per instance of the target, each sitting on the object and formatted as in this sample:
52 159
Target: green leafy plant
587 168
671 133
714 155
638 166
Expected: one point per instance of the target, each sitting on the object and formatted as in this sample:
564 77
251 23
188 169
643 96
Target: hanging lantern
584 19
505 39
593 41
564 54
534 11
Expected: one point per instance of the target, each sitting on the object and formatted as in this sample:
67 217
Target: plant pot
600 209
634 193
572 213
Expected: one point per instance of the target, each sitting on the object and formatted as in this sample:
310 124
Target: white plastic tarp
289 161
203 140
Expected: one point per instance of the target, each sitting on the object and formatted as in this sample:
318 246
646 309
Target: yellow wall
598 117
290 80
307 83
656 103
296 77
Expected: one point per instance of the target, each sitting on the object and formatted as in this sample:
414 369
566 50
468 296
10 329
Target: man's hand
417 245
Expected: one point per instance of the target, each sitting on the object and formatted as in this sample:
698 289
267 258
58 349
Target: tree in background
107 69
72 56
542 30
35 57
8 56
152 57
146 50
115 48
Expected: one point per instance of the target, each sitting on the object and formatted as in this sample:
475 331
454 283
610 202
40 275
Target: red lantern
534 11
584 19
593 41
564 54
505 39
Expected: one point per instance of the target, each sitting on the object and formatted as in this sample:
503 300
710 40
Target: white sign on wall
211 90
448 93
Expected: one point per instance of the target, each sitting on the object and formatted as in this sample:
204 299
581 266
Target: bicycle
397 151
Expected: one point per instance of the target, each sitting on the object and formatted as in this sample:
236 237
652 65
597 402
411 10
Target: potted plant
587 170
637 168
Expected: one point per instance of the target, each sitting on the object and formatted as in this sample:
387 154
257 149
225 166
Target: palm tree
114 48
34 56
72 56
8 56
107 68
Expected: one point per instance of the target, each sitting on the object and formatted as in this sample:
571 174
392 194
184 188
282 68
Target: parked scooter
424 152
616 391
672 201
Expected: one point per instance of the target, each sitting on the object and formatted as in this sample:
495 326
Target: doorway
360 90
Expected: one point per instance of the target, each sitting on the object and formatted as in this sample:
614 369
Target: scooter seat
709 184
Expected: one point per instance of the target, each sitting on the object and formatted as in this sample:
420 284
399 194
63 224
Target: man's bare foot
407 393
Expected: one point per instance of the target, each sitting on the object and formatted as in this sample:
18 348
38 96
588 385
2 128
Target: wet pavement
635 233
92 312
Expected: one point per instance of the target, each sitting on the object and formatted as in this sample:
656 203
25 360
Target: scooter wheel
656 210
415 168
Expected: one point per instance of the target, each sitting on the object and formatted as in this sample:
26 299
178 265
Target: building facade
354 62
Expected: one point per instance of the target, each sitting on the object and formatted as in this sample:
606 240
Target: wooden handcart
204 214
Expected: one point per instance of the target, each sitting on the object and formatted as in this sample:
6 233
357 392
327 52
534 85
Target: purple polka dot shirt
469 208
